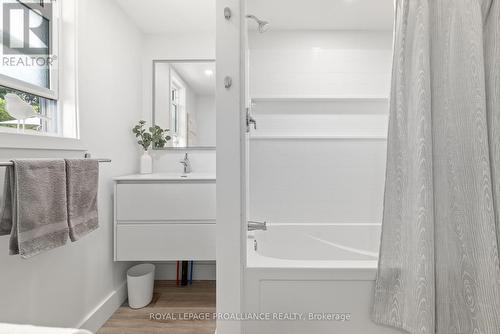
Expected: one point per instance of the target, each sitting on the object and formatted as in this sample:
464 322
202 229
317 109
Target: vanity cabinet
164 217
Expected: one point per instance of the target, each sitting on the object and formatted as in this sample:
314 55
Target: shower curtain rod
10 163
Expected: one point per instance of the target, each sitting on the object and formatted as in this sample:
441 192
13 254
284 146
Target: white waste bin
140 282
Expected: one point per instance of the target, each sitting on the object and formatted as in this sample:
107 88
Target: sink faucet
254 226
187 164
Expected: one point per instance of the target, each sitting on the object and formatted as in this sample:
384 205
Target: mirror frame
157 61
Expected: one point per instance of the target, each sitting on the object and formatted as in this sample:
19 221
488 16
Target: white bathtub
312 269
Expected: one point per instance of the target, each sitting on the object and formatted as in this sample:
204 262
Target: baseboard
164 271
98 316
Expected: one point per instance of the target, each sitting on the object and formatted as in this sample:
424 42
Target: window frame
67 113
174 108
178 85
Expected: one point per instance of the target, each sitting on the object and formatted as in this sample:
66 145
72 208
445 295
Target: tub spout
254 226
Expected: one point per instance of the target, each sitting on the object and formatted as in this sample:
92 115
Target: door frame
231 162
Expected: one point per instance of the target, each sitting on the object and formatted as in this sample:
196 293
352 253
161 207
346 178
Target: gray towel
34 212
6 213
82 184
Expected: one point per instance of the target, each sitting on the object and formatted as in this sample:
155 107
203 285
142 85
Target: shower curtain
439 268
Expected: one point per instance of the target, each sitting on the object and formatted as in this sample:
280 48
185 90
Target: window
174 106
29 68
40 120
178 127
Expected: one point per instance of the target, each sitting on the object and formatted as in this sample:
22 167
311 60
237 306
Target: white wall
320 63
63 286
202 161
307 181
321 83
318 154
162 102
321 118
205 119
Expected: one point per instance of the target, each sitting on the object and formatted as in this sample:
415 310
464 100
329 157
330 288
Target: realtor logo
26 28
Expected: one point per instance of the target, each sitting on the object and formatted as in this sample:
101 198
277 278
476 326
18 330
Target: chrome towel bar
10 163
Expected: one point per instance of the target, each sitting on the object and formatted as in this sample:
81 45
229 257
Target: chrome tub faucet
254 226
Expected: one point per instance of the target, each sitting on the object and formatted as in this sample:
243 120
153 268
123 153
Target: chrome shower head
262 27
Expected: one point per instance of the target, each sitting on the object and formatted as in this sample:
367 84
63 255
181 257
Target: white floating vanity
164 217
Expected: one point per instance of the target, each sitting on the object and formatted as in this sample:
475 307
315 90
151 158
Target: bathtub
312 278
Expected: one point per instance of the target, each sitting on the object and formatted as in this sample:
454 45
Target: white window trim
179 136
27 87
39 141
174 121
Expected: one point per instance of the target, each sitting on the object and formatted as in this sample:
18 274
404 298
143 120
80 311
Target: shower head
262 27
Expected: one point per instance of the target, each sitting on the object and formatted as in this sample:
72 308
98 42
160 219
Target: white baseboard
98 316
164 271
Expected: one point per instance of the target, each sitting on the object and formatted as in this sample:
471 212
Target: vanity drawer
165 242
165 201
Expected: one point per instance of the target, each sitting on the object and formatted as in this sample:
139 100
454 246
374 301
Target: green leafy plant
156 136
159 136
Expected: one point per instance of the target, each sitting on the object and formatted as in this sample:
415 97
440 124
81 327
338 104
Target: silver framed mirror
184 102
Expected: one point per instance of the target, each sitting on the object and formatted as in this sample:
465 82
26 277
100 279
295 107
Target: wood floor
171 306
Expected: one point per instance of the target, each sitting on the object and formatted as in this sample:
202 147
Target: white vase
146 163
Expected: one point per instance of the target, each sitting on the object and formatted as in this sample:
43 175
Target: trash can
140 282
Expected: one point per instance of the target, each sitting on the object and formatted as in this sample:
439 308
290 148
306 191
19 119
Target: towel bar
10 163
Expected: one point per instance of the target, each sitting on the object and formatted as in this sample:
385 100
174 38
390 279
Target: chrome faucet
254 226
187 164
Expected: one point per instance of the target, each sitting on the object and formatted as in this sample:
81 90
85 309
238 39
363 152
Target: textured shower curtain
439 268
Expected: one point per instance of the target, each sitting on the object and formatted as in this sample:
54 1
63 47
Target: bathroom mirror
184 102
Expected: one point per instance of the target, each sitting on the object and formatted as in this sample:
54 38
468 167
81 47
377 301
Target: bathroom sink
195 176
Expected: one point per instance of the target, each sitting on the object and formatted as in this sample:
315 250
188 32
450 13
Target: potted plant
156 137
